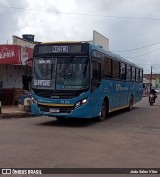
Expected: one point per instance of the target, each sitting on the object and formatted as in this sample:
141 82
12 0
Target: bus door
95 87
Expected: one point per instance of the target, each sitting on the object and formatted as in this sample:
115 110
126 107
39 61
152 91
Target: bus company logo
55 97
120 88
6 53
6 172
60 49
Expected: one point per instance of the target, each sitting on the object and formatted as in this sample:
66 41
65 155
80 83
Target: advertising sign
14 54
9 54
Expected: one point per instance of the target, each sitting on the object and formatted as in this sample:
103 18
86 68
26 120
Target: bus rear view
61 80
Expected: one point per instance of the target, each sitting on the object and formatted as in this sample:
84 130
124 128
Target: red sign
14 54
10 54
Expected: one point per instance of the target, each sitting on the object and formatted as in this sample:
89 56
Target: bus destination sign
60 49
56 48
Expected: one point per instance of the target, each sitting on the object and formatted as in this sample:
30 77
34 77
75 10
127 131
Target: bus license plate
54 110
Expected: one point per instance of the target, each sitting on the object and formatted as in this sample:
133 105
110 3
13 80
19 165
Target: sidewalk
13 112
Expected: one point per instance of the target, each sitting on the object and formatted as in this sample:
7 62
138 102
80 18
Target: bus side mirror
29 61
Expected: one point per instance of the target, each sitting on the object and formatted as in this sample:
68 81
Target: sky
132 27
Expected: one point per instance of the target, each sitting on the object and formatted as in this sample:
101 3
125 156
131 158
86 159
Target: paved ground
125 139
10 109
9 112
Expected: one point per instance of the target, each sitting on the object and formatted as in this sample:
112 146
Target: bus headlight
80 103
84 101
34 101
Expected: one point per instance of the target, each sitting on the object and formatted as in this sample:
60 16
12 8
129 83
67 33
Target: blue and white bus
82 80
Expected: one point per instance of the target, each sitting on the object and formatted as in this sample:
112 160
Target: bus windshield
68 73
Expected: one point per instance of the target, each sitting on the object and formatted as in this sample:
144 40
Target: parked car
157 90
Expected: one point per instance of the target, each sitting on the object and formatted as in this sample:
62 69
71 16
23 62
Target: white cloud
48 21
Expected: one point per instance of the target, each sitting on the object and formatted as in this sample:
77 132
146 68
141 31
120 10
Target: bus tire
60 118
130 107
103 113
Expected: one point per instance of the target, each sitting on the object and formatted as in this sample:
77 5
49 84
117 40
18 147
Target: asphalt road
124 140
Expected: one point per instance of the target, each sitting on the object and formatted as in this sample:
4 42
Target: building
150 82
154 81
12 68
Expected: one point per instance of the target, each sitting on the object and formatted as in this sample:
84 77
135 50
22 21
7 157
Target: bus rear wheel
103 114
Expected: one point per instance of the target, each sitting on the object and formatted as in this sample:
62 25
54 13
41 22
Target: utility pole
151 79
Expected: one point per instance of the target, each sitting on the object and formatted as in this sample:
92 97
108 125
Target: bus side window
128 73
133 74
107 67
123 72
137 75
141 75
116 69
96 71
96 74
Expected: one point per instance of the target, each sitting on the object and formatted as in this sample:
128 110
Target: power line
82 14
138 48
20 8
156 68
143 54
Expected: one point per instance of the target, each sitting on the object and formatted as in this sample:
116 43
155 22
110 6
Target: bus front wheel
103 113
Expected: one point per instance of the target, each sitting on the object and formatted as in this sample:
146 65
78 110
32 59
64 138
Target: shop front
12 72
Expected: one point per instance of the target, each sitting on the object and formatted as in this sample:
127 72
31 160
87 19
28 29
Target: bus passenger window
133 74
123 71
141 75
96 71
137 75
128 73
107 67
116 69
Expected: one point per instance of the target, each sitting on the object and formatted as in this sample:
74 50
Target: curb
16 115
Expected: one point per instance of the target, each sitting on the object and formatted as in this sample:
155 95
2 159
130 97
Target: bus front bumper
83 111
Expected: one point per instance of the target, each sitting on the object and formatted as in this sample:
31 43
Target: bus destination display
78 48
